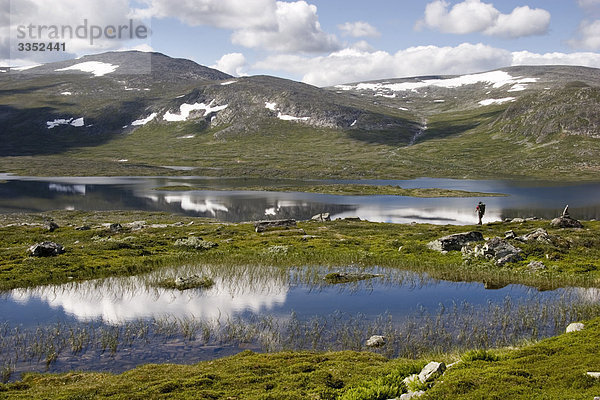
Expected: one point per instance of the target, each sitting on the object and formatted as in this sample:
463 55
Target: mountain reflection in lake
137 193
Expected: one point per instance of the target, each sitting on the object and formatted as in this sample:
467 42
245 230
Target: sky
320 42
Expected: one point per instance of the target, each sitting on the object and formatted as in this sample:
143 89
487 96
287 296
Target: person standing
480 211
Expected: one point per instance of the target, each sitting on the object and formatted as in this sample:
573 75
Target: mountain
150 110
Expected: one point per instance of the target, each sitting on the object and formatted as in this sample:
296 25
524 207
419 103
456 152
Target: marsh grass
457 328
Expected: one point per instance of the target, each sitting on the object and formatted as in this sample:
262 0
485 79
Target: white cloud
265 24
65 20
588 36
227 14
359 29
298 30
472 16
232 64
353 65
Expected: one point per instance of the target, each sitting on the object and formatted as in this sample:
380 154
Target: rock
502 251
536 266
115 228
136 225
46 249
411 395
376 341
575 327
83 228
431 371
261 226
595 375
51 226
455 242
539 235
195 243
510 234
566 222
518 220
321 217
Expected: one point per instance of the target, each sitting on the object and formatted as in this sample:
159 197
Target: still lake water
523 199
247 293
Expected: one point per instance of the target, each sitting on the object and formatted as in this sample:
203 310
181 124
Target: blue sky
326 42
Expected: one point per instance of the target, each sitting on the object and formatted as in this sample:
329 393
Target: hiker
480 211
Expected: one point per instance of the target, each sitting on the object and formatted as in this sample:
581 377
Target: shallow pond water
523 199
123 322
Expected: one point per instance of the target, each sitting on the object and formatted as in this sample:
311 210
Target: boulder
376 341
510 234
566 222
539 235
536 266
502 251
411 395
261 226
518 220
431 371
115 228
51 226
575 327
455 242
595 375
83 228
321 217
46 249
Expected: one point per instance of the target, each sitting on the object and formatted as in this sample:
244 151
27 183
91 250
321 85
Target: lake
119 323
523 199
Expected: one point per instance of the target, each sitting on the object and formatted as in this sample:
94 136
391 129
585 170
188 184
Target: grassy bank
349 190
291 150
95 250
553 368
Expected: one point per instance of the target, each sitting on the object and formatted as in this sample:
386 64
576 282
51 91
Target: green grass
452 148
553 368
98 252
349 190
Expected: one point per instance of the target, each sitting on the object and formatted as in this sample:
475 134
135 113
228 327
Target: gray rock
518 220
502 251
136 225
261 226
115 228
51 226
536 266
376 341
431 371
595 375
321 217
83 228
575 327
195 243
46 249
566 222
411 395
539 235
510 234
455 242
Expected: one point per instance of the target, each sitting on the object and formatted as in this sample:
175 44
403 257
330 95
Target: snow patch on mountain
185 110
227 83
144 121
291 117
95 67
488 102
496 79
79 122
271 106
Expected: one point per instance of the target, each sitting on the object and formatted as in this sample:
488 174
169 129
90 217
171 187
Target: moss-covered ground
553 368
101 252
350 190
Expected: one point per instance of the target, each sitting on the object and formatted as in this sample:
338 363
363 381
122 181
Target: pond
523 199
118 323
